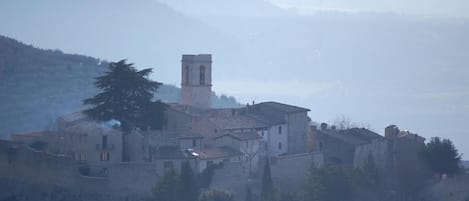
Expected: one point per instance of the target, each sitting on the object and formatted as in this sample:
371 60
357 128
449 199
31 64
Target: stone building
287 126
83 139
248 143
196 80
349 147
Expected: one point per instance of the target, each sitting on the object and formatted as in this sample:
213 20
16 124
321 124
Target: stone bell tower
196 80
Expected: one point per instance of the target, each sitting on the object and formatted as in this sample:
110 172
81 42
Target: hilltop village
94 158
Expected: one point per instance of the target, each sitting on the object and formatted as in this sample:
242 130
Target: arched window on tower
186 81
202 75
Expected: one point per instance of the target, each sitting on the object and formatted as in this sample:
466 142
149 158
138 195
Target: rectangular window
279 129
280 146
202 75
104 141
104 156
187 74
194 143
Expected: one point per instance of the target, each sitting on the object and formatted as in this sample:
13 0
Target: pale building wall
176 120
228 142
378 150
88 145
207 129
277 141
249 148
297 131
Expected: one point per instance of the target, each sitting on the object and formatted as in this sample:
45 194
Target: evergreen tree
188 183
168 188
268 191
249 194
441 156
314 189
127 97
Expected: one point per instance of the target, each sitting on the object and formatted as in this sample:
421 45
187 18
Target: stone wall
288 171
26 172
233 177
297 130
378 149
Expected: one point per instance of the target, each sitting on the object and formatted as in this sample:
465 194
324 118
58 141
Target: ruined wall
378 149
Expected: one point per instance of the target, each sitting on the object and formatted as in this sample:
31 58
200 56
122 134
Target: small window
279 129
104 156
104 141
280 146
187 75
194 143
202 75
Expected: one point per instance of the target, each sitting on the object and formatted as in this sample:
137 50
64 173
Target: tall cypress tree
188 184
268 190
248 194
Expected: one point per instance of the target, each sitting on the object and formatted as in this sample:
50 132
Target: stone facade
196 80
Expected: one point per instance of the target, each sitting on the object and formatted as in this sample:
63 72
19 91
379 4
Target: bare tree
343 122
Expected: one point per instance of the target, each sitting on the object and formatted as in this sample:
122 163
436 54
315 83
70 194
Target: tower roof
197 57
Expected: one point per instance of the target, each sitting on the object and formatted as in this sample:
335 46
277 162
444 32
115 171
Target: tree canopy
441 156
126 96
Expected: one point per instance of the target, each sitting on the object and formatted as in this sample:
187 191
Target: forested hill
37 86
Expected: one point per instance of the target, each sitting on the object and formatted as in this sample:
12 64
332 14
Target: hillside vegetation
37 86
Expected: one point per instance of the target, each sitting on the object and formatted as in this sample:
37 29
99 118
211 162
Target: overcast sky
452 8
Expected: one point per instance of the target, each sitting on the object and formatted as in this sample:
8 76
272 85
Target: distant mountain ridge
37 86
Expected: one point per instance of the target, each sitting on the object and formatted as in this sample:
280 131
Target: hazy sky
453 8
375 68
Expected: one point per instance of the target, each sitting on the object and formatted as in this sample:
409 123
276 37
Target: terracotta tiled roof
216 152
236 122
242 136
281 107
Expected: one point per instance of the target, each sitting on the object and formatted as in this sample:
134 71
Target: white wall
274 138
